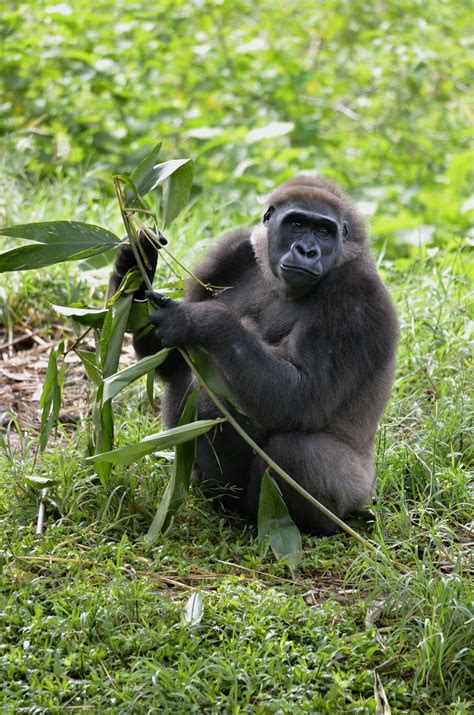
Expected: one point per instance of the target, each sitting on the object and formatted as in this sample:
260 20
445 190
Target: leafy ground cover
92 618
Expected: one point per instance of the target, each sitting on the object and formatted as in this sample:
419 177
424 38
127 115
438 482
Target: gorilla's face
303 245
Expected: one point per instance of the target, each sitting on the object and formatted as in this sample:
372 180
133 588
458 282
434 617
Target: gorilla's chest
276 320
269 315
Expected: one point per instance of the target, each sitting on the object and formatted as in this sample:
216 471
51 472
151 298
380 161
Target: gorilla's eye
324 231
296 223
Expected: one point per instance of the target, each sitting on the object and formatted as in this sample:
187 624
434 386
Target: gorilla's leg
223 464
327 468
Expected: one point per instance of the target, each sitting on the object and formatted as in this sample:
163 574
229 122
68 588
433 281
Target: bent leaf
115 383
177 190
193 610
274 521
160 440
85 316
178 485
143 177
63 241
39 482
98 260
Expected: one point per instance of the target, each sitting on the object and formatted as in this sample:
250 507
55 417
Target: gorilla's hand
183 324
125 261
174 326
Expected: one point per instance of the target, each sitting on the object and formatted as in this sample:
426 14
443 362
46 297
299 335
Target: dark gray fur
311 365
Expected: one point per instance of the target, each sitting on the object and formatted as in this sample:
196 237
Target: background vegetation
375 95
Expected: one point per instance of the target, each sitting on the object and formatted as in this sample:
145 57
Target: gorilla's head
309 228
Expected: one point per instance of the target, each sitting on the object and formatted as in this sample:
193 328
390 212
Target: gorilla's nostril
311 254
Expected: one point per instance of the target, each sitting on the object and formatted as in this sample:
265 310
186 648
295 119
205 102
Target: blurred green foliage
372 93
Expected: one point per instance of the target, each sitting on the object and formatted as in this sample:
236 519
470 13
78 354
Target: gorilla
304 335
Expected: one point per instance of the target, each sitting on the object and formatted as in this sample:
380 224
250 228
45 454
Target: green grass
91 617
375 95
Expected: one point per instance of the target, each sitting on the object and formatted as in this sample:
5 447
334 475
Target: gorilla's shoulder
235 244
229 258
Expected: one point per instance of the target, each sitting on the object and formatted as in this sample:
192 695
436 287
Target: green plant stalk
132 236
151 235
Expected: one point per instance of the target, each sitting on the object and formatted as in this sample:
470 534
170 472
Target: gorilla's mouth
288 268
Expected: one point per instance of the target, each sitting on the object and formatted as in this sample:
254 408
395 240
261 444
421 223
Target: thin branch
131 233
153 236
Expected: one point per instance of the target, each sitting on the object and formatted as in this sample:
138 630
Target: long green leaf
51 395
113 331
108 354
62 241
115 383
178 485
154 442
274 521
47 398
103 418
30 257
64 233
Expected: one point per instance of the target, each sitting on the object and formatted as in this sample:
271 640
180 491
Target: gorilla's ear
268 214
345 229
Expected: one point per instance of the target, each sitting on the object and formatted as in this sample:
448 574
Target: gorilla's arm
221 267
144 342
304 381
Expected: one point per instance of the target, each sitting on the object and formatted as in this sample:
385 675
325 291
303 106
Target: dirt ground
23 364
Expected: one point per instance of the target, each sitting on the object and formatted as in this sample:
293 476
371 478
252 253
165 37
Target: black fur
308 351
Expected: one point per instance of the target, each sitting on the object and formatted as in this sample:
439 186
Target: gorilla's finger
162 301
147 243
